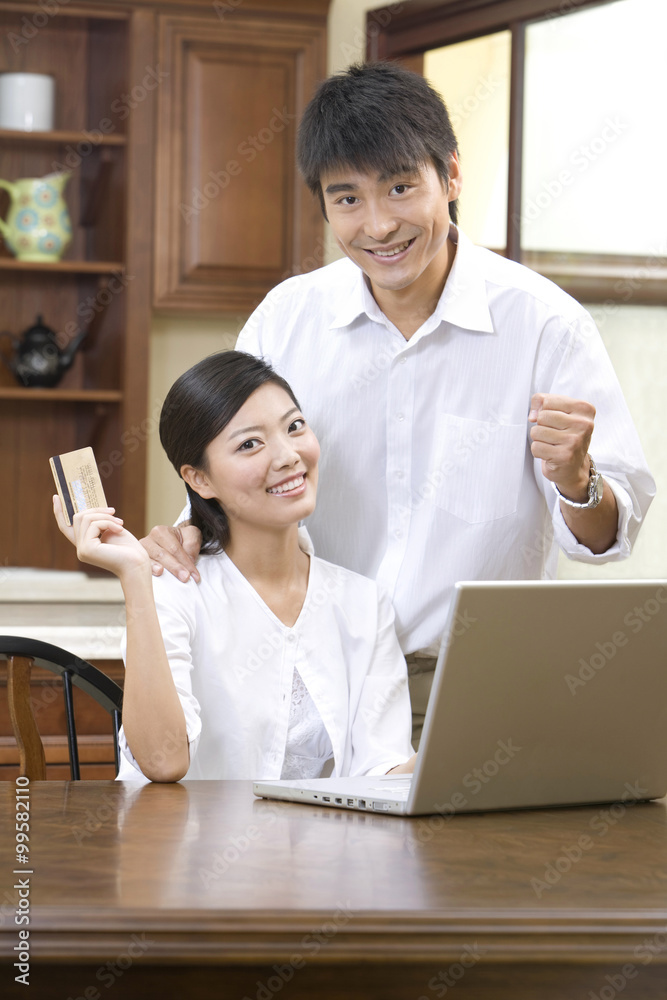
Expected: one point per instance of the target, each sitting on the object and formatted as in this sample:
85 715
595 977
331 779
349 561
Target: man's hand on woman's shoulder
174 549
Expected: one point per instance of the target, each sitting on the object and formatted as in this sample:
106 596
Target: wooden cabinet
99 56
178 122
233 218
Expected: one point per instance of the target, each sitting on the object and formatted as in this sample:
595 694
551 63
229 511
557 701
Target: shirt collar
358 300
463 301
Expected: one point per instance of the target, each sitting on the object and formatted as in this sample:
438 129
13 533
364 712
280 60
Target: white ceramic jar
26 101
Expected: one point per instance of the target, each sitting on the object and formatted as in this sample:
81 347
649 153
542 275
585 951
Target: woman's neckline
260 600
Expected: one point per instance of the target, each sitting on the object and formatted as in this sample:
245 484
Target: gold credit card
77 481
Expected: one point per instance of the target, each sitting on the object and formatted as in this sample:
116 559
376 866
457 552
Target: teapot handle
4 228
4 336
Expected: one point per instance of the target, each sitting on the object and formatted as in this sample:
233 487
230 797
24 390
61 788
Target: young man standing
458 397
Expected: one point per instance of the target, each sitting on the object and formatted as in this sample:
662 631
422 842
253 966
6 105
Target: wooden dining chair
21 654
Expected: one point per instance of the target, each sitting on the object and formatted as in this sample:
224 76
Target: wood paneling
232 217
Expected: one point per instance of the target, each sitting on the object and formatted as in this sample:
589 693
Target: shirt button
399 473
403 360
398 533
399 416
291 637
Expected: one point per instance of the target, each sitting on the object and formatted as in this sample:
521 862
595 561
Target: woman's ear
197 481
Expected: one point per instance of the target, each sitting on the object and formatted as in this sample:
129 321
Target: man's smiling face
395 228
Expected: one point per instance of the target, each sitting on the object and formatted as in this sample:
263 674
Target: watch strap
595 488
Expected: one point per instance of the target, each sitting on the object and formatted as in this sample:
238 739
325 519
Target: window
559 110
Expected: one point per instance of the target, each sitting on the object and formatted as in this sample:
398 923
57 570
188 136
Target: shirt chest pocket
479 467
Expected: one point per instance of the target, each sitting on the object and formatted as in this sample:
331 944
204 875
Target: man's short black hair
375 117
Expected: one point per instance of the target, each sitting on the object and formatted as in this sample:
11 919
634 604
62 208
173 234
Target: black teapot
38 360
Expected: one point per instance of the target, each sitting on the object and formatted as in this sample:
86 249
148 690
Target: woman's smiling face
262 467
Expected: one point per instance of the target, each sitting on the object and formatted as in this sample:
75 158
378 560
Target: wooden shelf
62 266
61 395
60 137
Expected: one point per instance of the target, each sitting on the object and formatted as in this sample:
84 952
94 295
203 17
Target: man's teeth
286 487
390 253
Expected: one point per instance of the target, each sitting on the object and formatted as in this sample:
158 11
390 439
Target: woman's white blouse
233 663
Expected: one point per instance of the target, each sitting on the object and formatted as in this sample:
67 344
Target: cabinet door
233 218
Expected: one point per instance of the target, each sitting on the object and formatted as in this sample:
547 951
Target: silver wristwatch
595 487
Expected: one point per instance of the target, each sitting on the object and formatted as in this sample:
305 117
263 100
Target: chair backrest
21 654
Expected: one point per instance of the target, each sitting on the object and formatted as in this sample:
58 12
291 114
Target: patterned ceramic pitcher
38 226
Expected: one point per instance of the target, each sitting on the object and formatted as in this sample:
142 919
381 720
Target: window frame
404 31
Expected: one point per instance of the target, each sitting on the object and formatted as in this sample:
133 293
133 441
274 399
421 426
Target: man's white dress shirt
240 674
426 474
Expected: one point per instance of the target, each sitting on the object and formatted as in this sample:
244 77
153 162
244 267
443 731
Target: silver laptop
545 694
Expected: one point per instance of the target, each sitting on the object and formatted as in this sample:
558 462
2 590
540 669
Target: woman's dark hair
375 117
198 406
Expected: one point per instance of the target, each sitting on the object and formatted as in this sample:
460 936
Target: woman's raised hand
101 540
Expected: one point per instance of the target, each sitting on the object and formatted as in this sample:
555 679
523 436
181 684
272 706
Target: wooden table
200 890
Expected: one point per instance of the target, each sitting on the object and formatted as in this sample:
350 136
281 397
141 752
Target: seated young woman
276 661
